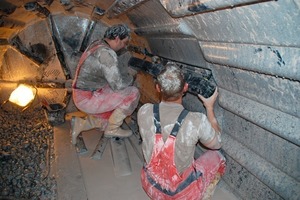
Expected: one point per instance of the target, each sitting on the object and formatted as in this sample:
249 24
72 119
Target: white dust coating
184 28
169 80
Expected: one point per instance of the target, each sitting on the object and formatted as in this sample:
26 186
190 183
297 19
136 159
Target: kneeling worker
101 90
170 134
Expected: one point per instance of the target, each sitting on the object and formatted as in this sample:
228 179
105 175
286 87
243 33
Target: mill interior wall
253 54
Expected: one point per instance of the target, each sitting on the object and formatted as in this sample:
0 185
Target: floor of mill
80 177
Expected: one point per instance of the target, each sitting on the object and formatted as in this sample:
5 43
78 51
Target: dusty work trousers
209 164
101 103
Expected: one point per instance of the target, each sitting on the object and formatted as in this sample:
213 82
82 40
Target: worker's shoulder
146 106
195 115
105 53
144 111
105 49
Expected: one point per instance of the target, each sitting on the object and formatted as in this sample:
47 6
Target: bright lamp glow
22 95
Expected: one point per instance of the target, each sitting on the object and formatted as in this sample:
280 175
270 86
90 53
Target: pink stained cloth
209 164
102 102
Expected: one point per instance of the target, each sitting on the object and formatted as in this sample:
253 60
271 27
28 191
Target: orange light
22 95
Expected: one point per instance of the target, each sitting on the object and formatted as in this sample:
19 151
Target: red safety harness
91 49
160 177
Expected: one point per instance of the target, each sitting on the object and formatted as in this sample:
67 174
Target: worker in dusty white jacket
170 134
102 89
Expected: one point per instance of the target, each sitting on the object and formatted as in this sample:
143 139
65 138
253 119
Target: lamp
22 95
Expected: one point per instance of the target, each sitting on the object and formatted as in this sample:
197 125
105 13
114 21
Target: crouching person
170 134
101 90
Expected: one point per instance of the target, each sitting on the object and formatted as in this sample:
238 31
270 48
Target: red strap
92 48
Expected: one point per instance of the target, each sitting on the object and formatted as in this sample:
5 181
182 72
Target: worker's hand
209 102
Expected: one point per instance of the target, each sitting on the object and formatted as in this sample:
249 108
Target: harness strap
92 48
177 125
179 122
156 118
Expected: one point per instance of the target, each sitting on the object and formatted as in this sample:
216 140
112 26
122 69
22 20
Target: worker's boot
80 145
115 121
209 192
79 124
